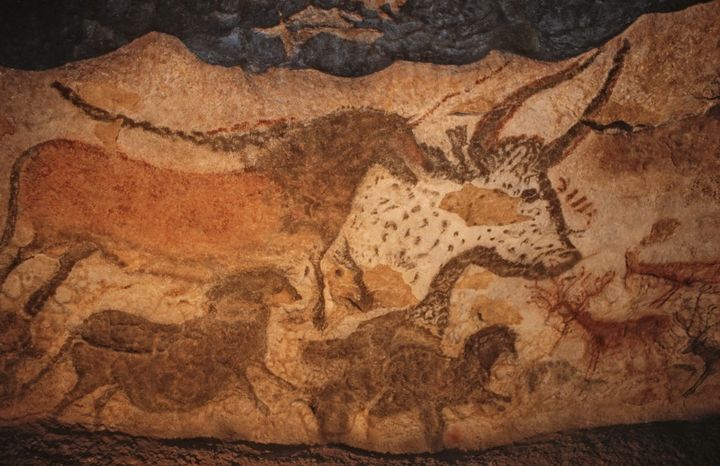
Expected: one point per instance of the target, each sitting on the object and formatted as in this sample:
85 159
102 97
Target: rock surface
669 443
342 37
425 258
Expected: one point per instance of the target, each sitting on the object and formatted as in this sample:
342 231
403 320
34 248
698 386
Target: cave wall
341 37
422 258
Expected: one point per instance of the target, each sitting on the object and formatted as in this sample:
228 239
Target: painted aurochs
302 193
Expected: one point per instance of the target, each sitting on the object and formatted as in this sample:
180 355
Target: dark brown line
578 202
216 143
13 190
554 151
493 121
67 262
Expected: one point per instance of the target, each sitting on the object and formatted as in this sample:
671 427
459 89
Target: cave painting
165 367
82 200
302 193
390 366
379 224
569 297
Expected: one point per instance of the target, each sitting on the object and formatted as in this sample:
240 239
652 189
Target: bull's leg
11 215
86 384
20 389
8 236
553 152
488 128
67 262
95 368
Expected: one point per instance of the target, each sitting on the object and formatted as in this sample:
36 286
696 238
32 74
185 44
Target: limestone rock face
424 258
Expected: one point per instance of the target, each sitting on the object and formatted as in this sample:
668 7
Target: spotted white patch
402 225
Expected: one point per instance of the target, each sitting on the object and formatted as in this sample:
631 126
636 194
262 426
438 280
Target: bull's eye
529 195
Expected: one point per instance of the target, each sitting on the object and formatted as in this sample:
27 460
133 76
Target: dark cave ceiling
346 38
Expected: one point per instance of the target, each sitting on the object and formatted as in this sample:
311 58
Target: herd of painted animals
84 201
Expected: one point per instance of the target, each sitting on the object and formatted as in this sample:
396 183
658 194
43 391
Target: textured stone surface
426 258
343 37
670 443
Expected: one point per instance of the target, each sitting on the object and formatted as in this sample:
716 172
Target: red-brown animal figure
289 206
569 298
677 274
89 199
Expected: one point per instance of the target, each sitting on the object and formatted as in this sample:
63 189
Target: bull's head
533 236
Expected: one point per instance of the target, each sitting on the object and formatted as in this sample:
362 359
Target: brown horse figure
390 366
172 367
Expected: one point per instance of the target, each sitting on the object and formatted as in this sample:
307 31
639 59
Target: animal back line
216 143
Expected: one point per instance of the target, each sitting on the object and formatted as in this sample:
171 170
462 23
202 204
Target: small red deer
569 298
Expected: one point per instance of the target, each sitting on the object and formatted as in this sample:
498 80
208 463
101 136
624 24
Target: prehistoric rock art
389 366
286 198
226 221
569 298
577 201
514 169
16 348
678 274
424 258
700 319
163 367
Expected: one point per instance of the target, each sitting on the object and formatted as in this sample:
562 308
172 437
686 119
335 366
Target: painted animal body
605 335
570 297
72 192
301 194
172 367
389 366
677 274
494 207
